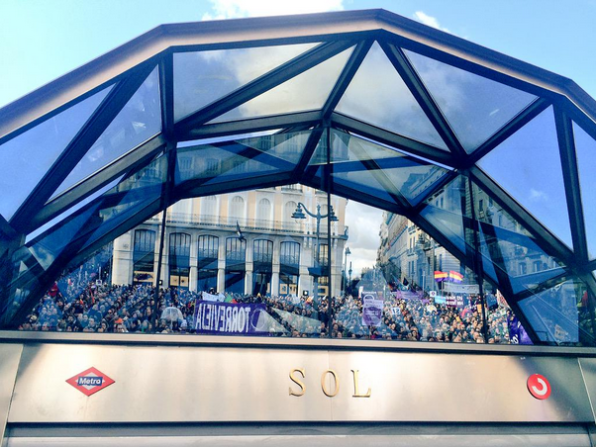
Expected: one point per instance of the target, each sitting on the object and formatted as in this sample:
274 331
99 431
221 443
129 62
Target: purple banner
231 319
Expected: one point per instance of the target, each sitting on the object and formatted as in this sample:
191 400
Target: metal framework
42 217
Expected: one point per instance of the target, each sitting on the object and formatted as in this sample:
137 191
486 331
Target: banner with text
230 319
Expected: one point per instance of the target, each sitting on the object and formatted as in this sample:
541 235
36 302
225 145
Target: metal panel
10 355
300 440
588 369
182 384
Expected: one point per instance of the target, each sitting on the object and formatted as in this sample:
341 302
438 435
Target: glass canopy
226 185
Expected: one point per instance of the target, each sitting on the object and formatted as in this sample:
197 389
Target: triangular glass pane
509 246
73 209
448 211
377 95
347 147
365 182
585 148
27 158
555 314
528 166
203 77
476 107
305 92
138 121
241 159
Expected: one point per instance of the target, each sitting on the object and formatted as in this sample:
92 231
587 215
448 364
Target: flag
455 276
501 299
440 276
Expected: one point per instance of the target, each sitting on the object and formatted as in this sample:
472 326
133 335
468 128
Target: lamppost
299 214
347 253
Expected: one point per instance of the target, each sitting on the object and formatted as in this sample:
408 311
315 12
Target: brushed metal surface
10 354
186 384
552 440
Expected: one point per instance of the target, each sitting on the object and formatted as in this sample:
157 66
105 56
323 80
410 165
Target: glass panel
528 166
400 284
72 210
585 148
562 314
449 211
377 95
307 91
220 162
28 157
374 169
103 292
202 77
510 247
476 107
138 121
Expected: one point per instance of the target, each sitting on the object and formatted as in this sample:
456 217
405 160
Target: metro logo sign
90 381
539 386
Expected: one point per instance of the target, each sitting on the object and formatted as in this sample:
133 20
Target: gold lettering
297 382
336 380
356 392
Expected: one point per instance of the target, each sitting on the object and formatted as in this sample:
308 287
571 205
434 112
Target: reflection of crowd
85 303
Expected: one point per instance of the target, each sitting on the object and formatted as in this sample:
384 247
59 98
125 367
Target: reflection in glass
476 107
562 314
528 166
27 157
509 247
203 77
376 170
138 121
219 162
585 148
377 95
305 92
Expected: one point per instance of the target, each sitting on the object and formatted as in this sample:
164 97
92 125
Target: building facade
203 251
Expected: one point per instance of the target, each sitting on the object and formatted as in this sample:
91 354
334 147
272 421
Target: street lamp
347 253
299 214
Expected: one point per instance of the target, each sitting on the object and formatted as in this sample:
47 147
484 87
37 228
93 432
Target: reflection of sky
586 163
364 240
475 107
528 166
203 77
379 96
307 91
26 158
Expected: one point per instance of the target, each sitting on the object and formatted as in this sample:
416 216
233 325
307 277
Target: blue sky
42 39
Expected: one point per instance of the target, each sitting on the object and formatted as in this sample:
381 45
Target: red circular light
539 386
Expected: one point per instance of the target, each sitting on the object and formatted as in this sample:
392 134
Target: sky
42 39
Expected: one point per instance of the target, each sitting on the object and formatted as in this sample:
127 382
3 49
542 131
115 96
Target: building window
264 213
143 257
289 268
262 266
290 223
236 209
208 263
179 260
235 265
209 212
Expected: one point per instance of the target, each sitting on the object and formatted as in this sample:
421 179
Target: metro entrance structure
490 156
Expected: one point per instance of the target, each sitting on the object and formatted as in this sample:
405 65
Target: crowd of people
85 303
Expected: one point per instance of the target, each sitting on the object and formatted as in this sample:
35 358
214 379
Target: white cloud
429 20
538 196
230 9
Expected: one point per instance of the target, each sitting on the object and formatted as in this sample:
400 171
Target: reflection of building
203 250
408 252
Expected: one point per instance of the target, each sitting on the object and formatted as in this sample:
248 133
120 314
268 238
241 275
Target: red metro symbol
539 386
